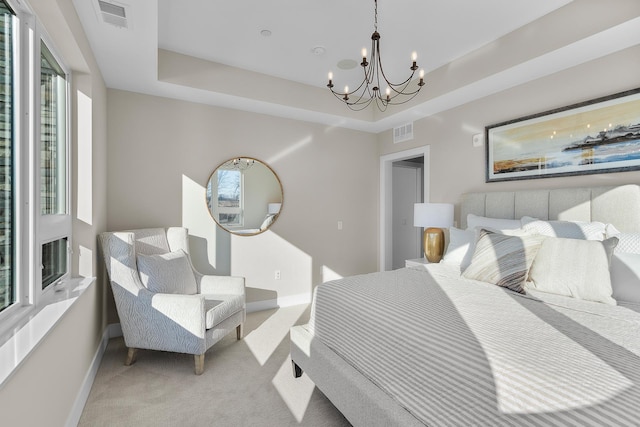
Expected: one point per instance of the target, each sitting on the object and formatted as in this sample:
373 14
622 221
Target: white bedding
454 351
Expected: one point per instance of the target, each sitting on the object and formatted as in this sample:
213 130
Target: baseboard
286 301
115 330
85 389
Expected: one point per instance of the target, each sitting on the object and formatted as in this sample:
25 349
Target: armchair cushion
169 273
219 307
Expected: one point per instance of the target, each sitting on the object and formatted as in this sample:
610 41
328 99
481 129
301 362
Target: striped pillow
503 260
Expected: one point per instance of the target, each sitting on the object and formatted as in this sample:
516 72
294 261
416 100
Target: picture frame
597 136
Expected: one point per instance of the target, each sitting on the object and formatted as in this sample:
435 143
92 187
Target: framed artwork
597 136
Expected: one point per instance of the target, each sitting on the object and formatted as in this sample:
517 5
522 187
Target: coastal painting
597 136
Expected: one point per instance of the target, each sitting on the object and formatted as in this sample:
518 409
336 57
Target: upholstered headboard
619 205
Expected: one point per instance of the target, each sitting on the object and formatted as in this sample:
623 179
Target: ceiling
231 33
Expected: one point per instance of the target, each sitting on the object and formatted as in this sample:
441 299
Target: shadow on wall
210 246
256 258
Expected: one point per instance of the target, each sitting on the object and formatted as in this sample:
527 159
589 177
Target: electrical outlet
277 275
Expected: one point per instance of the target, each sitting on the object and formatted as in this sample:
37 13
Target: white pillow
169 273
565 229
628 243
610 230
575 268
474 221
460 247
625 277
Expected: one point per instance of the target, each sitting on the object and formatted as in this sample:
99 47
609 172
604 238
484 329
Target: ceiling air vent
114 14
403 133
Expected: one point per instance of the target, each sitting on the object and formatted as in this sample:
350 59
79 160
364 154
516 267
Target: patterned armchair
169 306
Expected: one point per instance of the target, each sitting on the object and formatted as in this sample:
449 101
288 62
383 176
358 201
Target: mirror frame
275 175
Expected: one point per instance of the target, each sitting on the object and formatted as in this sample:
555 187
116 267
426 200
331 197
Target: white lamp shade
273 208
438 215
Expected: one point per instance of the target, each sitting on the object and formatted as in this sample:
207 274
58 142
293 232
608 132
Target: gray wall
457 167
162 151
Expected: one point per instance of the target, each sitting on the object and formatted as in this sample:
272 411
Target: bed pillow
625 277
502 259
565 229
628 243
460 248
169 273
575 268
474 221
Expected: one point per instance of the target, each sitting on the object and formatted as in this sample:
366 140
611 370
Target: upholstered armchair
162 301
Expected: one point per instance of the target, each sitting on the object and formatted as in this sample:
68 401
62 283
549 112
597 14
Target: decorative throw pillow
502 259
565 229
625 277
474 221
169 273
460 247
267 221
574 268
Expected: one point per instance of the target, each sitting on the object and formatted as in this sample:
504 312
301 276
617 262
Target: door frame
386 198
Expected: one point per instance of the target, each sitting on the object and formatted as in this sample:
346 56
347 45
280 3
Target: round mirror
244 196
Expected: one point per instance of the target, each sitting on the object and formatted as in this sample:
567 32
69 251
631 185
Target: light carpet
245 383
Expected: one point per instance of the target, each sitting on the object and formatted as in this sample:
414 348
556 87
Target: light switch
339 225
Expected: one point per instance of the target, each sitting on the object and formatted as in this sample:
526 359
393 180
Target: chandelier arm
406 98
335 92
384 76
404 85
358 101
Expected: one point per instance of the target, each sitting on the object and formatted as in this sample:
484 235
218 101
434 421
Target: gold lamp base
433 241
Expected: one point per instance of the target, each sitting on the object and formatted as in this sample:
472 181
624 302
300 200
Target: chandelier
240 163
370 88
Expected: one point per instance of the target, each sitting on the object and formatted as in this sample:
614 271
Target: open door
386 261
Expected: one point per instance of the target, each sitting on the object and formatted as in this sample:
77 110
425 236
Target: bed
428 346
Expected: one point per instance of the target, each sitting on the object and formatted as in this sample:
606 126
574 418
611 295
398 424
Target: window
53 116
7 246
35 220
230 197
54 261
55 223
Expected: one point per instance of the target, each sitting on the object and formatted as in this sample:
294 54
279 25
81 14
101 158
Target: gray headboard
619 205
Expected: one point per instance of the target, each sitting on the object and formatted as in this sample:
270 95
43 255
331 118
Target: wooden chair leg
132 354
199 359
240 331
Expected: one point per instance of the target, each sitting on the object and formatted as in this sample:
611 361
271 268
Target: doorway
404 180
407 179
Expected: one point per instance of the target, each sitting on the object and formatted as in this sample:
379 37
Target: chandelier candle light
369 89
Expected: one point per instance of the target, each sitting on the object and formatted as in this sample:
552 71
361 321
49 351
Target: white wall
162 151
260 189
43 389
457 167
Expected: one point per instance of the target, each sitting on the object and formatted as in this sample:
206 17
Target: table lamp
433 217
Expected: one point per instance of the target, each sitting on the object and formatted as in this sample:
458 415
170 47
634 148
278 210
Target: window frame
30 230
50 227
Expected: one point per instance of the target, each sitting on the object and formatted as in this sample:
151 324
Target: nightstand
416 263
